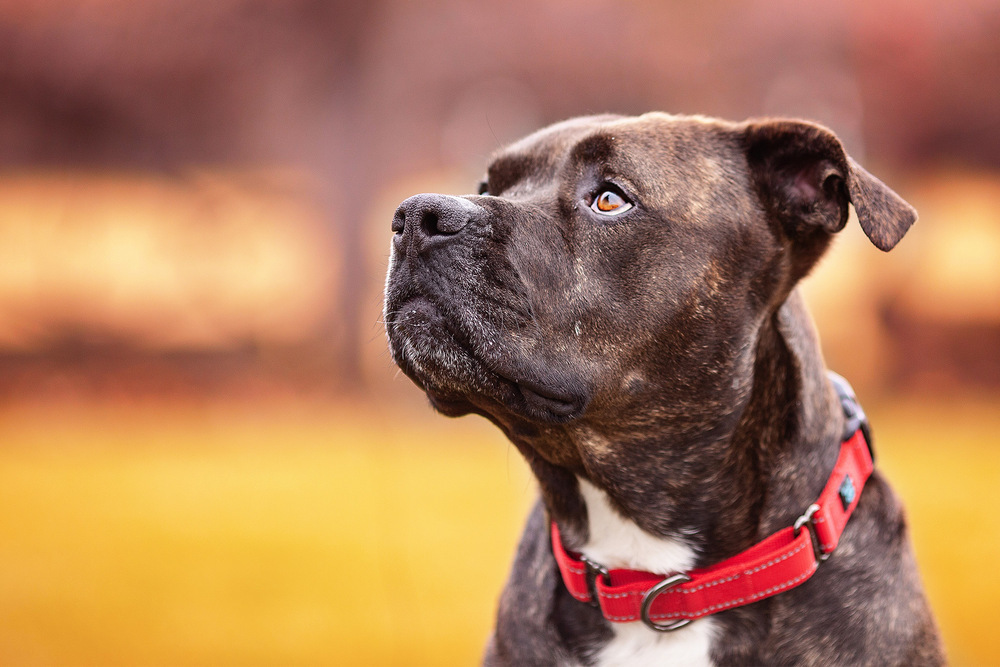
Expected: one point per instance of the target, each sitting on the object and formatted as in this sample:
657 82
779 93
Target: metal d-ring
653 593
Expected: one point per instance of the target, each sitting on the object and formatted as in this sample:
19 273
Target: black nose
430 216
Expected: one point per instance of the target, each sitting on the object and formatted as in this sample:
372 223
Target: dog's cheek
556 284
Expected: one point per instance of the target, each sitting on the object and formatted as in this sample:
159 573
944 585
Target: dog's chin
449 406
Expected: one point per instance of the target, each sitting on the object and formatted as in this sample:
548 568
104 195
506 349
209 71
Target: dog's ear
806 179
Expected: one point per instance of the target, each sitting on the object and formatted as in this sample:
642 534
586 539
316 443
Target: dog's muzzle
459 317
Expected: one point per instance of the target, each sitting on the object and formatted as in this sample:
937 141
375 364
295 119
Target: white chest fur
616 542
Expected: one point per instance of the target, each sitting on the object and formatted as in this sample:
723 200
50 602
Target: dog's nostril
429 223
399 220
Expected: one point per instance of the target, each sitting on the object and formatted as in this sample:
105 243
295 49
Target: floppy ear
806 180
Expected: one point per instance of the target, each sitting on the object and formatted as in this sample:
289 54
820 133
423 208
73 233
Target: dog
620 300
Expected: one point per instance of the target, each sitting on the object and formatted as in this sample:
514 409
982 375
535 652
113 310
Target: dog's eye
609 202
484 188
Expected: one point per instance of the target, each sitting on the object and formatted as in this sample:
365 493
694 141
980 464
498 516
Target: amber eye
609 202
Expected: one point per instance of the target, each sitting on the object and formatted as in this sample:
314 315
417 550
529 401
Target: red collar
781 562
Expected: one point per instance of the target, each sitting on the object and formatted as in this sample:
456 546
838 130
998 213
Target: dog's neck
616 542
758 479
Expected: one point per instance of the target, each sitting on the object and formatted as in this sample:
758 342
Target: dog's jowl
620 299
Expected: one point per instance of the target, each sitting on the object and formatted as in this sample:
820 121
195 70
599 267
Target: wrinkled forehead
540 154
672 148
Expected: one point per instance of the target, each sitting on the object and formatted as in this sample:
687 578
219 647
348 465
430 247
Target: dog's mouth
536 402
463 365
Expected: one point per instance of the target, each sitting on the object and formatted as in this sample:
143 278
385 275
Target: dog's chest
616 542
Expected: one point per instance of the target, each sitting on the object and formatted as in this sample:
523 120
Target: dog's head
613 272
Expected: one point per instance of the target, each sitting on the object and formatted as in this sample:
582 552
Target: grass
351 536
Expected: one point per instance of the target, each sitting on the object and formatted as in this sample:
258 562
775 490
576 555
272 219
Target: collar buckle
854 415
595 570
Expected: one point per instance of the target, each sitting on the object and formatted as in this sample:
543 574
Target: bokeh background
206 455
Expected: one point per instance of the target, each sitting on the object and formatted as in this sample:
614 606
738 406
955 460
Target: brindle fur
665 356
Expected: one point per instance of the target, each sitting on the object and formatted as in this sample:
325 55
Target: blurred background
206 454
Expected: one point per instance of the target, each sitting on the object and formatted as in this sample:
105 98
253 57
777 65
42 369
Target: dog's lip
540 391
550 404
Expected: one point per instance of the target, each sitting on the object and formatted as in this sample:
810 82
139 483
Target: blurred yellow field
351 537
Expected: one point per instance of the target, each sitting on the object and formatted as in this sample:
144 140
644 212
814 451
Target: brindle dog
620 300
